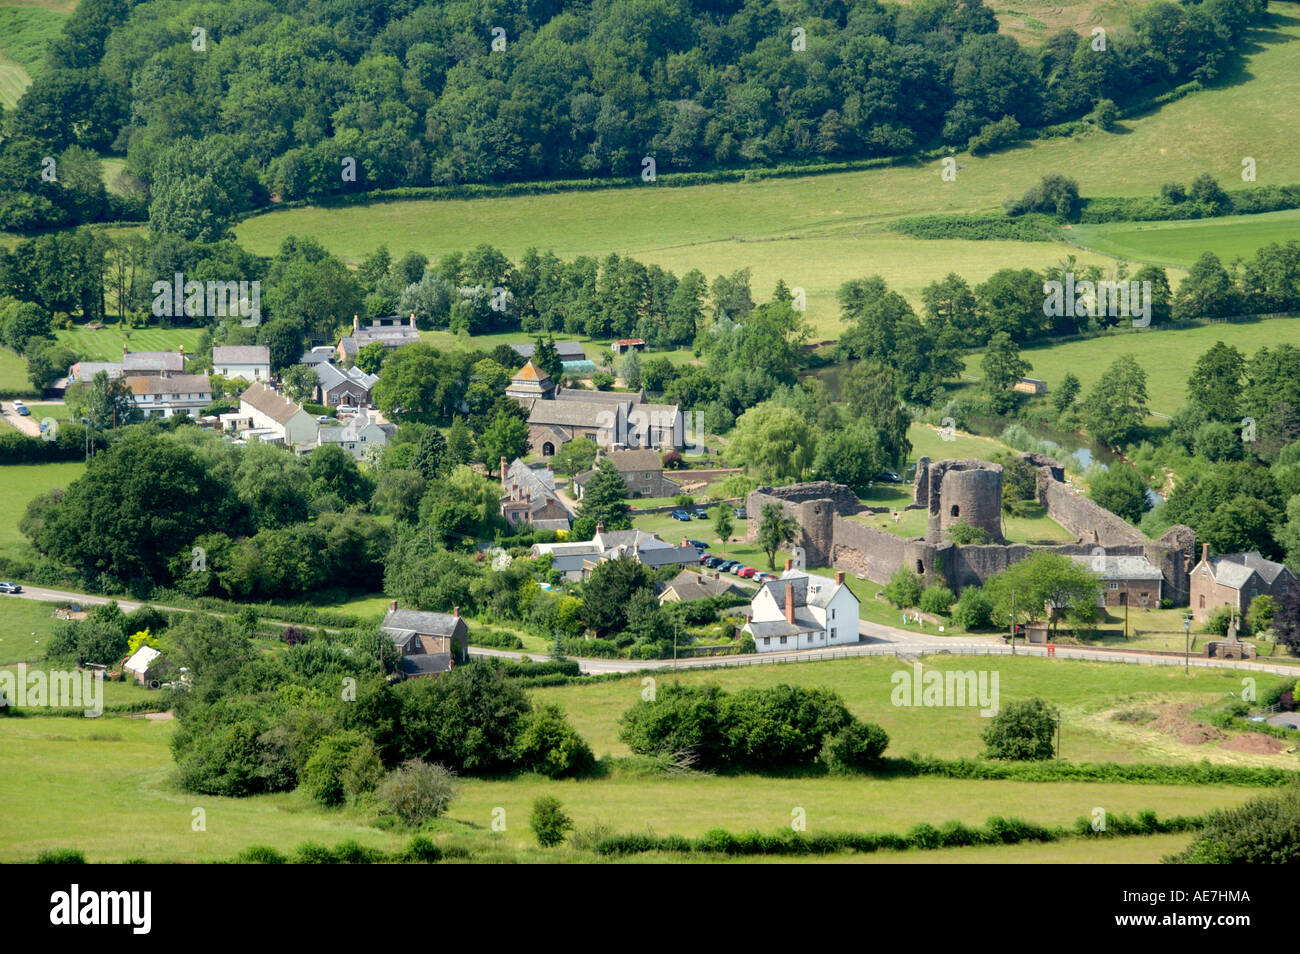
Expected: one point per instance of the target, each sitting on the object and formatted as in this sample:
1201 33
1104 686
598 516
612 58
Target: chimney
789 564
600 528
182 355
503 471
1205 553
839 577
125 349
789 602
356 324
455 611
392 607
548 465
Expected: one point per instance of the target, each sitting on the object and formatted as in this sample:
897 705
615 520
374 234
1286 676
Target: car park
680 515
21 408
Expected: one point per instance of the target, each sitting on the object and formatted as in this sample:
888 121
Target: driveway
25 425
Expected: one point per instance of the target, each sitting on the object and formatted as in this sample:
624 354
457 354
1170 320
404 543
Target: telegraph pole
1013 622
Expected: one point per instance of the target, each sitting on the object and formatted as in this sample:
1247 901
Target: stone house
1125 580
641 470
529 497
335 386
1234 579
430 643
162 395
250 362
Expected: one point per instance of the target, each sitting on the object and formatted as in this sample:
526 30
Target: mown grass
13 375
1182 243
21 483
26 31
106 343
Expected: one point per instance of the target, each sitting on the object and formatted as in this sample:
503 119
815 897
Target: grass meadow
22 482
1181 243
26 30
106 343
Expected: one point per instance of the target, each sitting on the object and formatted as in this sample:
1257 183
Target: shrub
994 136
857 746
973 610
61 856
903 589
1263 831
549 822
421 850
963 533
259 855
548 744
416 791
324 772
1021 731
936 600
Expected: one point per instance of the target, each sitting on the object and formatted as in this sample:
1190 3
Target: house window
832 612
833 632
782 640
1112 586
767 640
1202 601
1254 593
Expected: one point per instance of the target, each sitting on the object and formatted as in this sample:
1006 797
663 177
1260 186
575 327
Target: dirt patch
1255 743
154 716
1176 721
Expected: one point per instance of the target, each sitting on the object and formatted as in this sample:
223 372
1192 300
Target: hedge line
1025 228
998 830
1195 773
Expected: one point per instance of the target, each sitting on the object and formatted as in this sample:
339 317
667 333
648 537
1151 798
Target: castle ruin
968 491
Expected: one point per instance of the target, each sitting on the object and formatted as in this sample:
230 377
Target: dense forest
221 108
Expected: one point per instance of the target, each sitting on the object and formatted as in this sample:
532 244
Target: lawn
13 376
1181 243
816 232
25 629
1167 356
1079 688
22 482
106 343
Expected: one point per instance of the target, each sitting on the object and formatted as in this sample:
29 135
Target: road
876 640
26 425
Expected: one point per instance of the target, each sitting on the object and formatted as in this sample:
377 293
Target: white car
346 409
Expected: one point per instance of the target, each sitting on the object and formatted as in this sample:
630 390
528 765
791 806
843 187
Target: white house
801 611
577 560
250 362
141 661
163 395
358 434
272 418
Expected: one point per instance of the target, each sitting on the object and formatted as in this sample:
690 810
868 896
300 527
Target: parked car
347 409
680 515
726 565
762 576
890 477
21 408
704 559
712 562
746 572
701 513
740 512
7 587
735 570
698 544
323 419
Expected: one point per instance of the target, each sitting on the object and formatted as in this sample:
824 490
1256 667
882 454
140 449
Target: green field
1167 356
13 376
22 482
1181 243
94 775
106 343
818 231
26 30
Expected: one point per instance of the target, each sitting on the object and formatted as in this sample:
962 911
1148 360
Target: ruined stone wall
965 491
1088 521
866 551
814 505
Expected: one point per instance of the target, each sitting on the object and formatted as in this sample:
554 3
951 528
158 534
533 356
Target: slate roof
426 664
1237 566
803 623
418 621
819 593
1121 567
86 370
240 354
152 361
331 377
571 350
571 414
537 480
316 355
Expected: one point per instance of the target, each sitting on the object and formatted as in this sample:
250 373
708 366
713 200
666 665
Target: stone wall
963 491
1090 522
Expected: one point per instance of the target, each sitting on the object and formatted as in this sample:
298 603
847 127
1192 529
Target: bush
903 589
973 610
963 533
260 855
855 747
936 600
421 851
549 822
1021 731
1263 831
548 744
496 640
61 856
416 791
996 135
323 775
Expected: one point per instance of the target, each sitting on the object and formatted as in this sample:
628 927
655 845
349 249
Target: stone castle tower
967 491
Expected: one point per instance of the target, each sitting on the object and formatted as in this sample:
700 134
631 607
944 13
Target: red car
745 572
